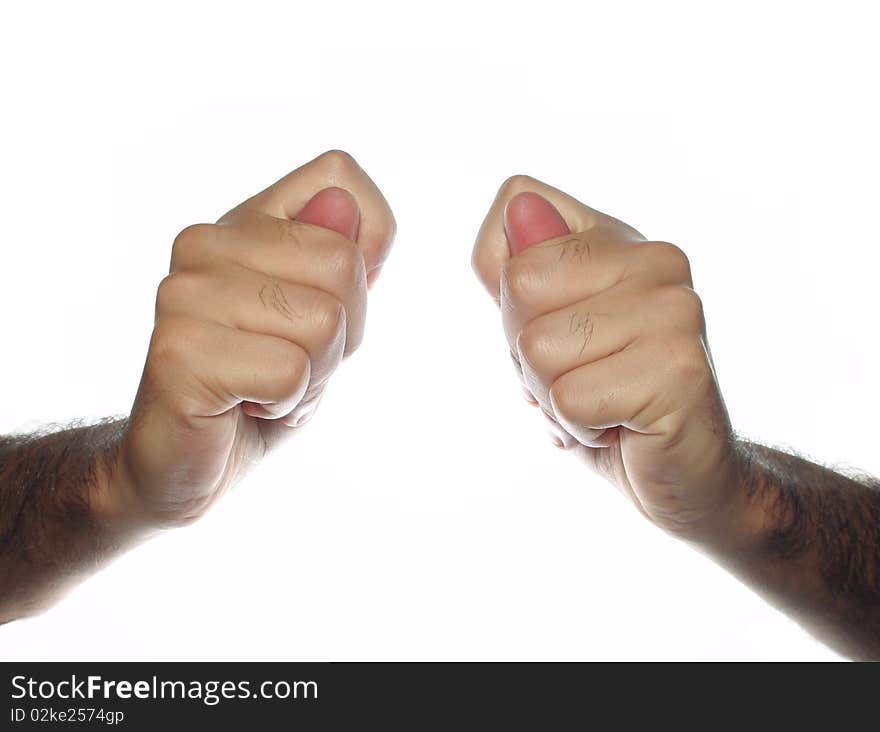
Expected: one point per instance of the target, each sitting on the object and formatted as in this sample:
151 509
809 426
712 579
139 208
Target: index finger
285 198
492 250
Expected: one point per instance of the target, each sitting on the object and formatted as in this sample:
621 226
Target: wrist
114 501
739 520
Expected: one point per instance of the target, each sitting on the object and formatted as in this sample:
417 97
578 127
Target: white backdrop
424 514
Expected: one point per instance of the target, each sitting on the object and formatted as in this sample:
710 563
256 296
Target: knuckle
172 339
385 223
329 318
174 289
521 281
347 264
533 344
189 242
339 160
166 294
673 258
564 396
291 368
682 306
389 224
688 360
487 268
515 184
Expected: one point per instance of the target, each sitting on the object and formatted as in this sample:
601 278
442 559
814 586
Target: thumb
529 219
334 209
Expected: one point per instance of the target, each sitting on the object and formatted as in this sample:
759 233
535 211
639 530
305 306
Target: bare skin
256 314
609 340
605 330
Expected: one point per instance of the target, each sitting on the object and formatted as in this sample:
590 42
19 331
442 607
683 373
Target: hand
609 340
256 314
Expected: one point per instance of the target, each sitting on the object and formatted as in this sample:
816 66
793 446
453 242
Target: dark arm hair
811 542
52 524
813 547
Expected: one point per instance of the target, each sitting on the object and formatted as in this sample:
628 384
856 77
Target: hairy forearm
57 522
810 545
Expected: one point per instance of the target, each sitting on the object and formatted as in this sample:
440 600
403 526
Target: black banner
265 696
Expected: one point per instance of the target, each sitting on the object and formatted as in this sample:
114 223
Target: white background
424 514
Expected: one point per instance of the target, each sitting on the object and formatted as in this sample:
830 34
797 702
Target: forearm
61 516
808 540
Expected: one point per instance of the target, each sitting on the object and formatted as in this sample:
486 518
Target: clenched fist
256 314
609 340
